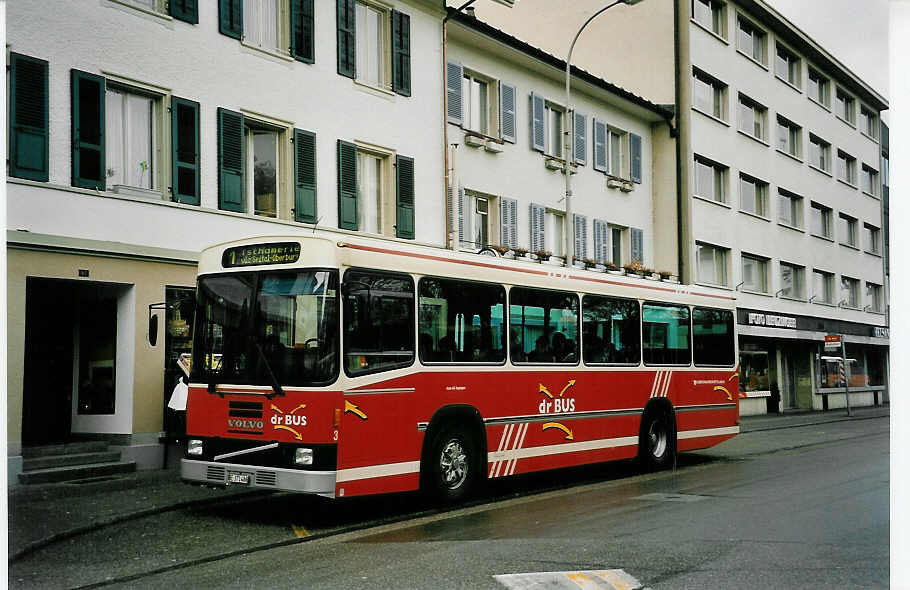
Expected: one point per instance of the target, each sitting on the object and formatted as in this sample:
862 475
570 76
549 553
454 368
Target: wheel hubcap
657 440
453 464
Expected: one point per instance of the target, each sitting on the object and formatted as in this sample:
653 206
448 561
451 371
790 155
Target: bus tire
452 464
657 440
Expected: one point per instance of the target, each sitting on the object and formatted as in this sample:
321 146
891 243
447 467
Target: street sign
832 341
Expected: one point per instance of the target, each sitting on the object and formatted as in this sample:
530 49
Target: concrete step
88 446
57 474
50 461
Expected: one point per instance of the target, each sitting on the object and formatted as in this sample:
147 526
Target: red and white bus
344 367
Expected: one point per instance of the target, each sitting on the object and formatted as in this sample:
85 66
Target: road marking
300 531
615 579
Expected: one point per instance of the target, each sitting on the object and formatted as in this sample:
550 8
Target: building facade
187 124
780 182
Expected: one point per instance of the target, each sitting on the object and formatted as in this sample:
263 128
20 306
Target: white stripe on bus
358 473
708 432
506 432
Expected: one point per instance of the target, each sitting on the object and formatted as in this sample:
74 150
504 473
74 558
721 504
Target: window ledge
817 169
824 303
821 237
755 215
273 53
156 13
876 254
752 59
851 246
793 227
753 138
762 293
800 299
821 104
709 31
850 184
874 196
875 311
789 155
846 122
712 201
714 286
380 91
869 137
710 116
484 136
788 83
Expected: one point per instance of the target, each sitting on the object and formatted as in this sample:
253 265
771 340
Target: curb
815 422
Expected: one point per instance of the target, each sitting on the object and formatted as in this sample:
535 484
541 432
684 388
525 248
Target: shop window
543 326
379 321
712 337
461 322
612 331
665 334
754 371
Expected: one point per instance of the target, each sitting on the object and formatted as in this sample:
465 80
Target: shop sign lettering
772 321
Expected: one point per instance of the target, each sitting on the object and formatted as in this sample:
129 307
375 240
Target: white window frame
491 217
718 108
823 162
761 269
159 148
759 196
718 184
799 281
825 216
491 107
719 260
387 196
849 289
555 232
620 170
848 228
869 122
795 206
282 24
826 297
868 179
847 172
252 124
756 34
553 114
847 114
718 9
823 96
793 75
789 137
758 114
872 239
385 49
874 295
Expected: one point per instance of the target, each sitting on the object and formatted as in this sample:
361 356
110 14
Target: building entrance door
789 381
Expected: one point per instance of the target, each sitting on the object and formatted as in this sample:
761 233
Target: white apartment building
173 126
780 182
506 117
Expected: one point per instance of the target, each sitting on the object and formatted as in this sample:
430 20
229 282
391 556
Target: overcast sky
853 31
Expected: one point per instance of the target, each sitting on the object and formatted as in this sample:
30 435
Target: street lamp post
570 136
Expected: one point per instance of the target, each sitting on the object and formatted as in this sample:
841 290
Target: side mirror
153 329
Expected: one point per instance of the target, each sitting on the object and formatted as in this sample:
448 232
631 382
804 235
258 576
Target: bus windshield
251 326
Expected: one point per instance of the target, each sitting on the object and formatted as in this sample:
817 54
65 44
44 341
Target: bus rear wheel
452 464
656 441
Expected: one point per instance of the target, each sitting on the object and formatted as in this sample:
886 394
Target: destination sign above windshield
259 254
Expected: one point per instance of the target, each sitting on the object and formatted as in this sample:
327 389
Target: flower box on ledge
553 164
614 183
474 141
626 187
493 146
135 191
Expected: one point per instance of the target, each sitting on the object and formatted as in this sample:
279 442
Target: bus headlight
194 447
303 456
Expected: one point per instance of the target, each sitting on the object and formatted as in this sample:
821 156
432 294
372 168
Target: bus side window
611 330
378 321
713 337
544 326
461 321
665 334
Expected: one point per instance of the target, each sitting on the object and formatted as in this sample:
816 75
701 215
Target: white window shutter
454 76
538 219
507 112
600 145
538 123
601 240
581 237
581 139
508 216
462 211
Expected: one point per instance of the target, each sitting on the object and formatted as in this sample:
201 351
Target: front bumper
271 478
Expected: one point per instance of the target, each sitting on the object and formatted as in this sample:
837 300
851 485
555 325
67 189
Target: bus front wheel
453 464
656 441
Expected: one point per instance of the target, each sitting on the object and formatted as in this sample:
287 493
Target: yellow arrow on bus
277 409
544 390
349 407
733 376
557 425
570 384
724 389
289 429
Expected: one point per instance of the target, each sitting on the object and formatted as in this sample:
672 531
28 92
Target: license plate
238 477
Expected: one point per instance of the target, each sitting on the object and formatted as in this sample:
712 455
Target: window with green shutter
401 53
302 22
347 185
346 39
88 162
185 10
28 123
231 154
304 176
185 151
230 18
404 218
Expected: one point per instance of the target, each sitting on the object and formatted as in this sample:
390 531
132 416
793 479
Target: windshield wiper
276 387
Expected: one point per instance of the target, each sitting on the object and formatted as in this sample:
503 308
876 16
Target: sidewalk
41 514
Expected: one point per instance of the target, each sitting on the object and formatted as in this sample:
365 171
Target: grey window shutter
185 10
635 150
454 75
538 124
600 146
346 40
601 240
230 18
452 212
302 17
88 165
185 171
28 119
304 176
638 247
462 211
401 53
231 150
507 112
581 139
508 215
404 206
581 236
347 185
538 221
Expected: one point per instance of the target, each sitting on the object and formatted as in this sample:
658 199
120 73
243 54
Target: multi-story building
779 180
506 122
176 125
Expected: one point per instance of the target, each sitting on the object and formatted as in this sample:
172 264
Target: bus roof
333 251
